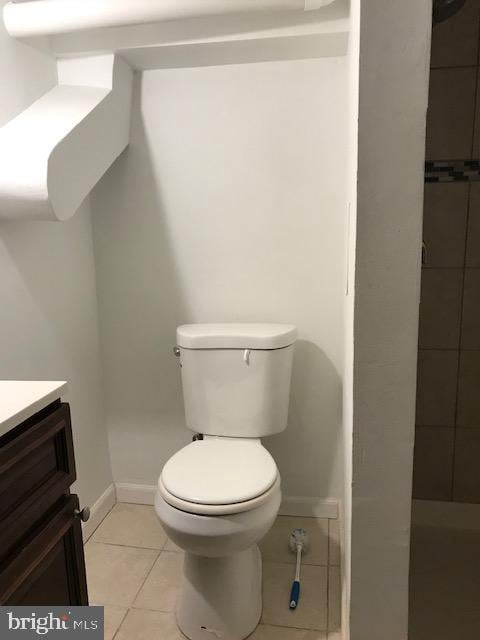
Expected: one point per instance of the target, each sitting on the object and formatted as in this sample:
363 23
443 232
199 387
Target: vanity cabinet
41 547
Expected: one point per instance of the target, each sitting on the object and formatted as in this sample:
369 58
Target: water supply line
50 17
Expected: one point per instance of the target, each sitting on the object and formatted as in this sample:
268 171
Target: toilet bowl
222 581
218 496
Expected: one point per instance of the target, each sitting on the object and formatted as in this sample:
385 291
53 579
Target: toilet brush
298 544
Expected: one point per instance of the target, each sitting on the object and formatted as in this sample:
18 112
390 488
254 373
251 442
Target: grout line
146 578
328 597
328 544
440 268
132 546
90 537
119 626
460 335
171 611
449 348
455 66
435 426
280 626
292 564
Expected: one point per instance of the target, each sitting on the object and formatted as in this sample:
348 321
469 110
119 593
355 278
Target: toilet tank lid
247 335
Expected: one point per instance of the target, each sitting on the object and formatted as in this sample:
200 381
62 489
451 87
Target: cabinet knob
83 514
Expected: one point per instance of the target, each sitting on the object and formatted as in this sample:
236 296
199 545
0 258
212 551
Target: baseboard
291 506
98 511
309 507
135 493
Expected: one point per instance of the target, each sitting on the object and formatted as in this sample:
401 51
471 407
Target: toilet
218 496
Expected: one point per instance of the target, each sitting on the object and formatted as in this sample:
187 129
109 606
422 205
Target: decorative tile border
453 171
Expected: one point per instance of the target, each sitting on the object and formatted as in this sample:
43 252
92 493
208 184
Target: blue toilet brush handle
294 594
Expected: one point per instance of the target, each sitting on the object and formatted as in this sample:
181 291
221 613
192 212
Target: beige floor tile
160 590
113 619
312 609
275 545
133 525
266 632
334 599
115 574
149 625
334 543
171 546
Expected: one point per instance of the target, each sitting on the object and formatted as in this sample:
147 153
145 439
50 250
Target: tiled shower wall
447 441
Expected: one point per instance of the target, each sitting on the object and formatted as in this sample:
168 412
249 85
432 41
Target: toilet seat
218 509
219 476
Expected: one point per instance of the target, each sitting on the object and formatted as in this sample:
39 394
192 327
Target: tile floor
134 571
444 583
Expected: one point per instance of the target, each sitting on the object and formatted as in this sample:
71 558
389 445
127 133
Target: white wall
393 83
48 308
229 205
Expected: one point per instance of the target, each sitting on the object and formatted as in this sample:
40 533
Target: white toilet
218 496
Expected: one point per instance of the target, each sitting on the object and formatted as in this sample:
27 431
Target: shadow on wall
140 306
315 412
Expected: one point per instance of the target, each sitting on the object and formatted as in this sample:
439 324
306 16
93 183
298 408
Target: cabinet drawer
49 569
37 467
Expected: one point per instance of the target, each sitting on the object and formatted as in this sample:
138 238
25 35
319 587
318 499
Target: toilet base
221 598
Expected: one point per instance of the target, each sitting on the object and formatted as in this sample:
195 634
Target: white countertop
20 399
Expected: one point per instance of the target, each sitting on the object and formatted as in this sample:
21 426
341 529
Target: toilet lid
220 471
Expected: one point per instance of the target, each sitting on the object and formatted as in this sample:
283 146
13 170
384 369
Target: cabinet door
50 567
37 467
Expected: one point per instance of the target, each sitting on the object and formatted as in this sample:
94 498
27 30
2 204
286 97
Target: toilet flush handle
246 356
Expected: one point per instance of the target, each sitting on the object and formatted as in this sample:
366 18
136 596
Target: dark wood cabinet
41 547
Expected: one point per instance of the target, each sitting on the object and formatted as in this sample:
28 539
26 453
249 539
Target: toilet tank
236 377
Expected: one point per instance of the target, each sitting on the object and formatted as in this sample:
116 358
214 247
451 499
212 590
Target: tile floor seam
328 580
90 537
328 545
119 626
280 626
146 578
131 546
137 608
336 542
328 598
286 564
